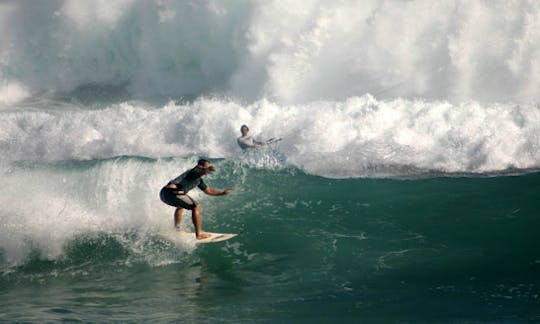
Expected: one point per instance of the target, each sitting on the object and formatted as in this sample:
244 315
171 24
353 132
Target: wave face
286 51
77 237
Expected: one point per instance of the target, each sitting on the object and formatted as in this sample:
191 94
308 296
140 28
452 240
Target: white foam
12 93
288 51
358 137
44 208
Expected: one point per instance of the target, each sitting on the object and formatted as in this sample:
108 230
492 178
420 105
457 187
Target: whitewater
358 137
407 170
404 84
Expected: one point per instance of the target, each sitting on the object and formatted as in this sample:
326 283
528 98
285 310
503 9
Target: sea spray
286 51
45 206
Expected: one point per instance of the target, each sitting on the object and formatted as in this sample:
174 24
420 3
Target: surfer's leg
181 202
178 217
197 222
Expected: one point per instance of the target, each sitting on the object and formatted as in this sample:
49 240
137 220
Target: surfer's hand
226 191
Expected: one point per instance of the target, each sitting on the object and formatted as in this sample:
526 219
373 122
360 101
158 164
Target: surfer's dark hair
202 162
201 169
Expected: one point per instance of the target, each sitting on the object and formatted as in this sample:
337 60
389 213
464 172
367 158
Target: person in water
175 194
246 141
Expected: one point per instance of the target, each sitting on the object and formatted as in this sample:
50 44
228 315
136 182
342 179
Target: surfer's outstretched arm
216 192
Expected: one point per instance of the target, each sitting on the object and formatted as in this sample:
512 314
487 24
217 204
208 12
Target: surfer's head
244 130
204 167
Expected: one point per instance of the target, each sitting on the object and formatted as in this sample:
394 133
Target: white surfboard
214 237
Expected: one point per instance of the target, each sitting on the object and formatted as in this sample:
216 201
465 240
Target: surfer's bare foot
203 236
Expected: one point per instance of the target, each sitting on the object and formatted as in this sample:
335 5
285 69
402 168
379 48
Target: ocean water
405 187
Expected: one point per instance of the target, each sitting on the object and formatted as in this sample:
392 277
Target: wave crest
283 50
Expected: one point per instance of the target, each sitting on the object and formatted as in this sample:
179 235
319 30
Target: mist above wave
287 51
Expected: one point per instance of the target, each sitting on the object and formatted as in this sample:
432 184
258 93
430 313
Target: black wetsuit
178 197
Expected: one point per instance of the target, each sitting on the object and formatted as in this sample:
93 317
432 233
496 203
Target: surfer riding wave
175 194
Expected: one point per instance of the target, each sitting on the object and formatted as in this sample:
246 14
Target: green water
310 249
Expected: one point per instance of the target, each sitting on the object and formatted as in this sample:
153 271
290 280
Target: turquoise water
439 249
